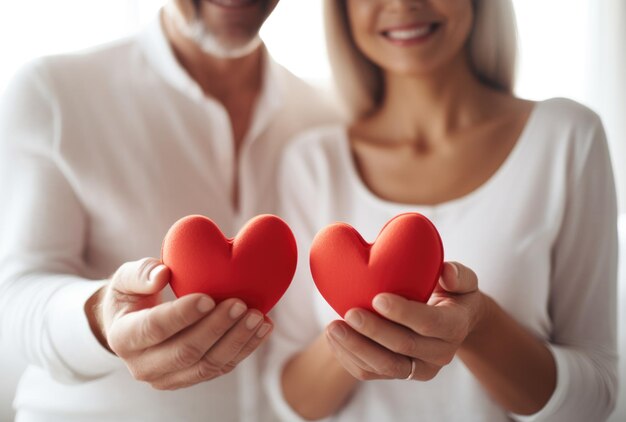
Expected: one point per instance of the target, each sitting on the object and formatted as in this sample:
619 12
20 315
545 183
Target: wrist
484 316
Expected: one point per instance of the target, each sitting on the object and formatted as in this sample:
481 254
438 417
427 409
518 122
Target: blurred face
223 28
411 37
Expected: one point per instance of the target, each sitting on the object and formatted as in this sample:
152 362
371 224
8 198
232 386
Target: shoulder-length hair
492 48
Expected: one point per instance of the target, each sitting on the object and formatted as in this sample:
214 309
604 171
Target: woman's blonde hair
492 52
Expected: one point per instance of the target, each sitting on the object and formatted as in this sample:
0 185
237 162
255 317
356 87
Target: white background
569 48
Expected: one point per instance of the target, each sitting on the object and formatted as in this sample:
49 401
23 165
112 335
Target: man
100 152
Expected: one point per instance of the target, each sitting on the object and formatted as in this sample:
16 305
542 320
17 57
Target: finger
146 328
457 278
147 276
260 336
221 356
383 362
400 339
429 321
188 347
347 358
352 365
210 366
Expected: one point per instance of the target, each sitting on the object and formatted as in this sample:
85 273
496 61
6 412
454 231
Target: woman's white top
541 234
100 152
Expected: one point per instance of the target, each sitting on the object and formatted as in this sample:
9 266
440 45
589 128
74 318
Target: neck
431 106
221 78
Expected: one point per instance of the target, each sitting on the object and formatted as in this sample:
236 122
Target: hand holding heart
194 339
174 344
406 259
412 339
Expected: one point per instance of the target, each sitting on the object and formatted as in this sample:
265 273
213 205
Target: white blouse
540 234
100 152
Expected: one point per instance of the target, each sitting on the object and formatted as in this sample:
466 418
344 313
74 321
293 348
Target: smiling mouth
411 34
233 4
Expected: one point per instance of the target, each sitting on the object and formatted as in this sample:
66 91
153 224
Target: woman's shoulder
567 114
561 124
568 132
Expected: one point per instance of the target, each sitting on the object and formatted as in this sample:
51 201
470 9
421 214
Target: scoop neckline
508 163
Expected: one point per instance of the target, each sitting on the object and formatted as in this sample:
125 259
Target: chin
419 70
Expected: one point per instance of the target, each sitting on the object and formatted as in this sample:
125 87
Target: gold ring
413 366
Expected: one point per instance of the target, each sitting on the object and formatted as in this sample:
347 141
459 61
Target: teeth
407 34
233 3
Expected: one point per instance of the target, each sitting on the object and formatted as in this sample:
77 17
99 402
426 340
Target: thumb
457 278
147 276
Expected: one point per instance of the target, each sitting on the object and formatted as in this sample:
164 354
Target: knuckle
408 346
392 368
236 345
178 316
143 268
228 367
426 326
186 354
216 330
150 330
208 369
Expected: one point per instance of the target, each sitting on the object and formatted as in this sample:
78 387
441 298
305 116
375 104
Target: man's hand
174 344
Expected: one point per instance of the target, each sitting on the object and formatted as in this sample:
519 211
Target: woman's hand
414 340
174 344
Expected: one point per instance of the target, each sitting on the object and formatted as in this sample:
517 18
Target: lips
233 4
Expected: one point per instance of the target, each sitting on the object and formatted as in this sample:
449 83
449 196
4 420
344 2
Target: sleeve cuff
71 336
278 357
275 392
560 391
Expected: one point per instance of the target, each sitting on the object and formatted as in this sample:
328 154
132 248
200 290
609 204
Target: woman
522 193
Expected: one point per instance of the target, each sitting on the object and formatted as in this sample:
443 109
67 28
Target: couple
100 152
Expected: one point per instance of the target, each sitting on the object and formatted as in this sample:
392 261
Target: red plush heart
406 259
256 266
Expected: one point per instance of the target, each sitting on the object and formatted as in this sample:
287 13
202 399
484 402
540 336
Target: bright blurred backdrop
569 48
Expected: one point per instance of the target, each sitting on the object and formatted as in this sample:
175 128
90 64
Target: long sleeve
583 290
42 233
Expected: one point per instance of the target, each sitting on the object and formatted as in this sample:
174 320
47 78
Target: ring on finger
412 374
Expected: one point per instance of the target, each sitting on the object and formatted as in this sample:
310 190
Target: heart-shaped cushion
406 259
256 266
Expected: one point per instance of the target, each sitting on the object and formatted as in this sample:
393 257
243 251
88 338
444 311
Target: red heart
256 266
406 259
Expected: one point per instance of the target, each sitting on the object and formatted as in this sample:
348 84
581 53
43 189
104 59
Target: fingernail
265 328
154 273
338 332
205 304
354 318
237 310
381 304
455 268
252 321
